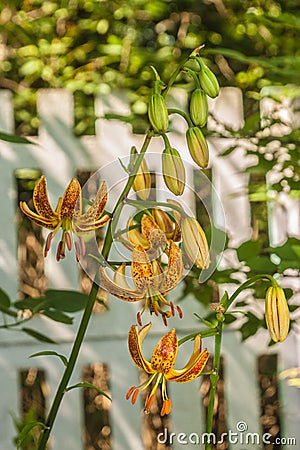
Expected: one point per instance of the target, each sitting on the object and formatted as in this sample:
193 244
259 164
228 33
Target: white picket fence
58 154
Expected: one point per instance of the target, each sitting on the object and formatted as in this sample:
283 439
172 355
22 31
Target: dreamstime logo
241 436
116 177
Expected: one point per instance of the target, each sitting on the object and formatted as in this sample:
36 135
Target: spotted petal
192 369
68 202
141 267
135 341
174 270
41 201
151 231
124 292
51 224
164 355
92 219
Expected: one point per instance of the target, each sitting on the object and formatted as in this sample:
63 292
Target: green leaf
7 137
89 385
249 249
4 299
229 318
250 327
67 301
26 430
50 352
58 316
37 335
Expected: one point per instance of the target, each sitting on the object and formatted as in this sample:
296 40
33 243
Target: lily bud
163 221
277 314
197 146
199 107
142 181
208 80
158 113
173 170
195 242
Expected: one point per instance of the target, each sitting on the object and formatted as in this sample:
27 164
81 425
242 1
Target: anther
139 319
48 244
180 313
68 241
134 396
130 391
172 308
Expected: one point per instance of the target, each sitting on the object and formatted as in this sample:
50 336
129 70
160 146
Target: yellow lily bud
199 107
173 170
195 242
142 181
158 113
163 221
197 146
277 314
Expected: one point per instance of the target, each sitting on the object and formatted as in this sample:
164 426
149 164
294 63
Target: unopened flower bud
277 313
195 242
158 113
142 181
173 170
197 145
199 107
208 80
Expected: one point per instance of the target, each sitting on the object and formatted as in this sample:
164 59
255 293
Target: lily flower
68 214
161 366
151 283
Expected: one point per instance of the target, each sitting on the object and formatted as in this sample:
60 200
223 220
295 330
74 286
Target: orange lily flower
161 366
68 214
151 283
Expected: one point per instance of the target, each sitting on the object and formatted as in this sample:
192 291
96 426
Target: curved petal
191 371
135 237
164 355
39 220
94 213
128 294
41 200
148 225
141 268
68 202
174 270
152 232
135 341
81 226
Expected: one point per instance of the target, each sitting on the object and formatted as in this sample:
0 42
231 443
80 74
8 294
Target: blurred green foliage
91 47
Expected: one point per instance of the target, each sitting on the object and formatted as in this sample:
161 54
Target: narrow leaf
13 138
26 430
89 385
58 316
50 352
37 335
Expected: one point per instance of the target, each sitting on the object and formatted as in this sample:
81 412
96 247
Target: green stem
150 204
69 369
183 114
243 286
203 334
214 377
